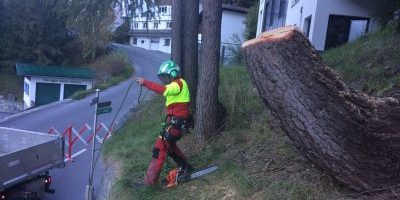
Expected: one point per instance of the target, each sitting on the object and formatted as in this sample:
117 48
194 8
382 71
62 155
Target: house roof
54 71
235 8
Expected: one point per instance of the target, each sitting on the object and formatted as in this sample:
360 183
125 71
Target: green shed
46 84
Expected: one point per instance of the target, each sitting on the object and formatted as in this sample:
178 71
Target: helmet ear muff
174 73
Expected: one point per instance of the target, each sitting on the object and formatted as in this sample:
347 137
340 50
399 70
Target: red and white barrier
54 131
78 135
71 135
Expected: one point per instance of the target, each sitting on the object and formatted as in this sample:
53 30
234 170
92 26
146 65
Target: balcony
151 33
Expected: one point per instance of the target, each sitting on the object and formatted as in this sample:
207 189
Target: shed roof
54 71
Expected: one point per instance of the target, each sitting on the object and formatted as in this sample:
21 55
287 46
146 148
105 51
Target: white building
153 32
327 23
47 84
232 23
233 18
232 28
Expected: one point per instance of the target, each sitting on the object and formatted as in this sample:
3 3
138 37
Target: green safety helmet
169 68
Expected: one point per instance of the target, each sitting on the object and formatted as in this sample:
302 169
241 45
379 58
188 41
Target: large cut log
352 136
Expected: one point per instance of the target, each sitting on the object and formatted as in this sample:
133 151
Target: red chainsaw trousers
162 148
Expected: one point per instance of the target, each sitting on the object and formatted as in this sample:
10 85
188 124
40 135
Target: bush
391 14
110 70
113 64
251 23
120 34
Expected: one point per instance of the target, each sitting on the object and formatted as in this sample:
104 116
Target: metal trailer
25 159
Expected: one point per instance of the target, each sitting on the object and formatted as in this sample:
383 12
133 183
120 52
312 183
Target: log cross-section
352 136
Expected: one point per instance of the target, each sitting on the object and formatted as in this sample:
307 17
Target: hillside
370 64
257 160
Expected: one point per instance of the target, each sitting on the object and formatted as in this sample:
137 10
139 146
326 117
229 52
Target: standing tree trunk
207 93
190 47
352 136
177 34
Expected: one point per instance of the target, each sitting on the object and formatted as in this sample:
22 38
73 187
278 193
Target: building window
136 25
307 26
294 2
155 40
168 24
167 42
155 25
145 25
282 8
142 41
272 14
134 41
163 9
26 88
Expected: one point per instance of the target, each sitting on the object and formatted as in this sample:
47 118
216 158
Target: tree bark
352 136
207 94
177 32
190 47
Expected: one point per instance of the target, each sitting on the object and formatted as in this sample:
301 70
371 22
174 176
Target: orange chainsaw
176 176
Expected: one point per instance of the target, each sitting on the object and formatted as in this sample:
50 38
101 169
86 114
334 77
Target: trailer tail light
47 181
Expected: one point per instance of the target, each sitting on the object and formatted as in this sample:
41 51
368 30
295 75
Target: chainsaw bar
203 172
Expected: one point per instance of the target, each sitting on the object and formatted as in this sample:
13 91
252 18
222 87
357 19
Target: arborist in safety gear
177 96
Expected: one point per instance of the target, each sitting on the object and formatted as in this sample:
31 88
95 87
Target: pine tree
190 47
207 94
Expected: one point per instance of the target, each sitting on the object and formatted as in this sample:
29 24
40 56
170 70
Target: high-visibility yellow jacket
177 96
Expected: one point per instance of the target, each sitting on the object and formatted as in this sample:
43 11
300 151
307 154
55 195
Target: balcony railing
151 32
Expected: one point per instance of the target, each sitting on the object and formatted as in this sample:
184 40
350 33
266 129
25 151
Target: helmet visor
164 78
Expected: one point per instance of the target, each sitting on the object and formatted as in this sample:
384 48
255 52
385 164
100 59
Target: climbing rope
116 114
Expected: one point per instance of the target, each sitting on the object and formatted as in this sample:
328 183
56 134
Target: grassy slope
256 159
371 64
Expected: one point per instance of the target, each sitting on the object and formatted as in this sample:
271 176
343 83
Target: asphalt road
4 115
70 182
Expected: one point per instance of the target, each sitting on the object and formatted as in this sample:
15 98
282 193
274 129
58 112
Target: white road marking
76 154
